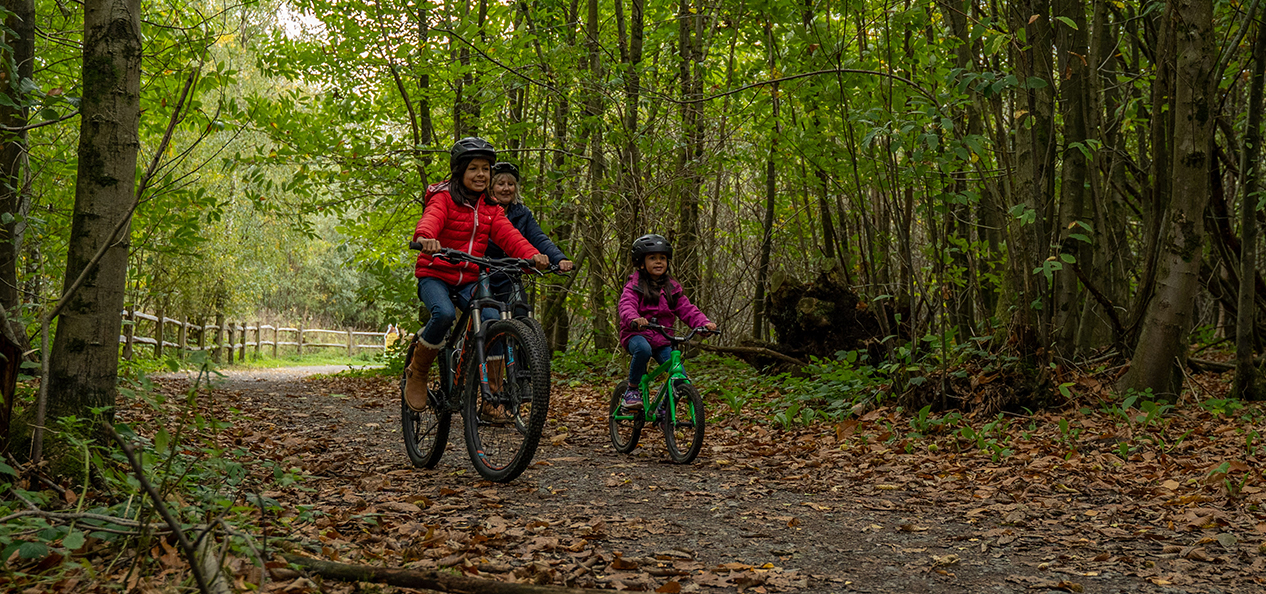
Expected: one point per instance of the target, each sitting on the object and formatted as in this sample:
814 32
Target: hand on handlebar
639 323
541 261
565 265
429 246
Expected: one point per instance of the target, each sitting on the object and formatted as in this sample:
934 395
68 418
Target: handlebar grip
415 245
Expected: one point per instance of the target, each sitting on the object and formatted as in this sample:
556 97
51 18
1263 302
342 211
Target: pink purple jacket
632 307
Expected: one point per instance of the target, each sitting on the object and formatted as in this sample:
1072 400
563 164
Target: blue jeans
642 352
434 293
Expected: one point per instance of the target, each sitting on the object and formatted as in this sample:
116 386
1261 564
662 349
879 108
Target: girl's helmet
471 147
650 244
506 167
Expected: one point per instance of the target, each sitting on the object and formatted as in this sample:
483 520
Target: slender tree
1247 382
85 355
1161 352
14 198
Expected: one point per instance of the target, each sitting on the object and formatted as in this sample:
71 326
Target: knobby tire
501 451
687 430
624 432
426 431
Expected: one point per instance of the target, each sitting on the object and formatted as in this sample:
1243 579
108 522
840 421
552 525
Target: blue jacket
521 217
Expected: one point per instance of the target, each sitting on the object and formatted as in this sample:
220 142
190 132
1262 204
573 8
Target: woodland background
1037 183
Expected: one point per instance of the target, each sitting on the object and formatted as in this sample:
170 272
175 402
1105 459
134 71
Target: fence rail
233 338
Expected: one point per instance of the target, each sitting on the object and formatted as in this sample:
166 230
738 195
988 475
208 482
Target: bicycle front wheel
504 423
425 431
683 425
625 427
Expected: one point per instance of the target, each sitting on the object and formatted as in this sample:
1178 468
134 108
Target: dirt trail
759 511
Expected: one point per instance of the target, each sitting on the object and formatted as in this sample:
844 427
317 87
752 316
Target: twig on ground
190 553
428 579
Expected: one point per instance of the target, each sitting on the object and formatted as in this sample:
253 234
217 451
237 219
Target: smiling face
477 174
655 264
504 188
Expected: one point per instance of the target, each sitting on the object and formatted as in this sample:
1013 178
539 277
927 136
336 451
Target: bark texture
1162 347
85 354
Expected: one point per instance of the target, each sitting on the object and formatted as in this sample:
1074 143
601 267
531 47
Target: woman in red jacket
460 215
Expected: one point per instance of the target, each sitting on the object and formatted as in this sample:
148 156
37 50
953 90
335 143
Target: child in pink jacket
651 296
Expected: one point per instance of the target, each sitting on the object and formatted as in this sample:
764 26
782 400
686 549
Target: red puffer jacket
464 227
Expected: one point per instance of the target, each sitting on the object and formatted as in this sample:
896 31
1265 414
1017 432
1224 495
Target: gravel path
245 378
734 521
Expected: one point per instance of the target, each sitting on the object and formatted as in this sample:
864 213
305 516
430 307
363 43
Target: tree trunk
1162 347
1246 384
85 354
759 327
555 318
1071 46
686 257
603 334
631 218
1034 159
14 198
425 126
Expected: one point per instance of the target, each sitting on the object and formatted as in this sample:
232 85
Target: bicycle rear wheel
684 426
503 428
625 428
425 431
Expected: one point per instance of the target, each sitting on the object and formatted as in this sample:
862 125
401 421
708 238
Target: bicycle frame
473 329
676 371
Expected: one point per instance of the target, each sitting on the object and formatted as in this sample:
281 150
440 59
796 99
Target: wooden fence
179 337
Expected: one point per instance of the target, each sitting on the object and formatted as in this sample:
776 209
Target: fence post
241 355
276 337
202 335
158 334
219 337
259 337
233 332
183 338
129 330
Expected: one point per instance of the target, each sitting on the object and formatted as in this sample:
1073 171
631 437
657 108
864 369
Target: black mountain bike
503 418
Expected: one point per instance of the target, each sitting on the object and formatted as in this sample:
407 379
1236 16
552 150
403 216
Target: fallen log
425 579
748 350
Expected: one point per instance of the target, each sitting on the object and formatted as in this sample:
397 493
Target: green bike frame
675 371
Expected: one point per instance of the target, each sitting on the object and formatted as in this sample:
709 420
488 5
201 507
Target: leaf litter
1085 499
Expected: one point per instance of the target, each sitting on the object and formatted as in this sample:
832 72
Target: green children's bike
677 407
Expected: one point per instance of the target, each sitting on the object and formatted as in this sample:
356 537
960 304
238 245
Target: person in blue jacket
505 190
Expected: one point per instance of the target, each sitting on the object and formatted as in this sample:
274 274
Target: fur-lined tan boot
417 375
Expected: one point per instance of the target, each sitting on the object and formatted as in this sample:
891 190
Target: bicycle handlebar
666 332
499 264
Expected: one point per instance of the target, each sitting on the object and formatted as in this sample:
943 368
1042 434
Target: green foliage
185 458
829 389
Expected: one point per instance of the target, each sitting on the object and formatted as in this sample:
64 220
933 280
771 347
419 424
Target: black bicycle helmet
506 167
471 147
650 244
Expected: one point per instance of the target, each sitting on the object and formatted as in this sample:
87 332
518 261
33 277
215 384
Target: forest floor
1080 502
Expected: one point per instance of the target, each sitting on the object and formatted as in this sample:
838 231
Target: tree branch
191 554
29 127
429 579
